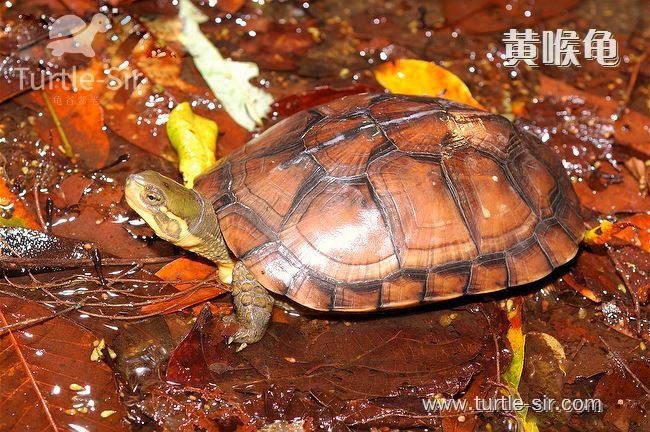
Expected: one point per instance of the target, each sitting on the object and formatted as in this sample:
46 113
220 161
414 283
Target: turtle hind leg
253 307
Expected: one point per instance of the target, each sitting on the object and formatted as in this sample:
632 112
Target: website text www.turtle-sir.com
511 404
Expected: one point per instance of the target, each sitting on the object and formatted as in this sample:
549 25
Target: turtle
372 202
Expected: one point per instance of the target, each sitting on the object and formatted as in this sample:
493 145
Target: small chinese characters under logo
560 47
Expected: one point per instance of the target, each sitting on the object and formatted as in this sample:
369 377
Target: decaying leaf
359 373
543 375
195 140
29 243
228 80
604 232
419 77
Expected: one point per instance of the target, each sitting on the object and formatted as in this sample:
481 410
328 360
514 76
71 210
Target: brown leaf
319 95
47 371
620 393
629 129
187 269
490 16
81 120
365 372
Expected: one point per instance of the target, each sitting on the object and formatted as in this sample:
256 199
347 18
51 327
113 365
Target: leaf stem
59 127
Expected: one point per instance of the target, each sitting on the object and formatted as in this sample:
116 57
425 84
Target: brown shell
382 201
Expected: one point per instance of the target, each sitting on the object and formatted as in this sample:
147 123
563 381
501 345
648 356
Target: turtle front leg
253 307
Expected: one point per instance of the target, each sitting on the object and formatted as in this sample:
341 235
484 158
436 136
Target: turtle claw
241 346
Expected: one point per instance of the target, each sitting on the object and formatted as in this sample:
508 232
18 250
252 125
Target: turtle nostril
135 179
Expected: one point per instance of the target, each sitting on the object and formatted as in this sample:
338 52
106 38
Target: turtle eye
153 197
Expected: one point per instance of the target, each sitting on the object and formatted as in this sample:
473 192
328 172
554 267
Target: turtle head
175 213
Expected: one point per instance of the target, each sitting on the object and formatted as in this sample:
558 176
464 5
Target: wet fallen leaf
419 77
205 339
619 392
512 375
320 95
40 364
638 169
13 212
74 120
630 128
490 16
278 48
22 242
376 366
228 80
543 375
195 140
638 233
604 232
634 230
187 269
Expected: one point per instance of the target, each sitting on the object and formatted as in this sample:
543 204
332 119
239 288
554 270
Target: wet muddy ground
91 333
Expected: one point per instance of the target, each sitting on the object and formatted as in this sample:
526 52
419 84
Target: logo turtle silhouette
72 35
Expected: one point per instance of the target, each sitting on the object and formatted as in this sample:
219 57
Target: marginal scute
362 297
527 262
387 201
401 291
448 282
488 273
274 267
311 292
556 242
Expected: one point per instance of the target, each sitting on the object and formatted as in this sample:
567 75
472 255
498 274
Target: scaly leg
253 307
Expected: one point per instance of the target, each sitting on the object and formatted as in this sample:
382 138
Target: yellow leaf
512 376
605 231
422 78
195 140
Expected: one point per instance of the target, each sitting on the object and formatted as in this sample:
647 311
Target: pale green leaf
228 79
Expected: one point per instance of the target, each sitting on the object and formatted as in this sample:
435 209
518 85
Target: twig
32 321
10 249
49 209
19 263
37 204
632 84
